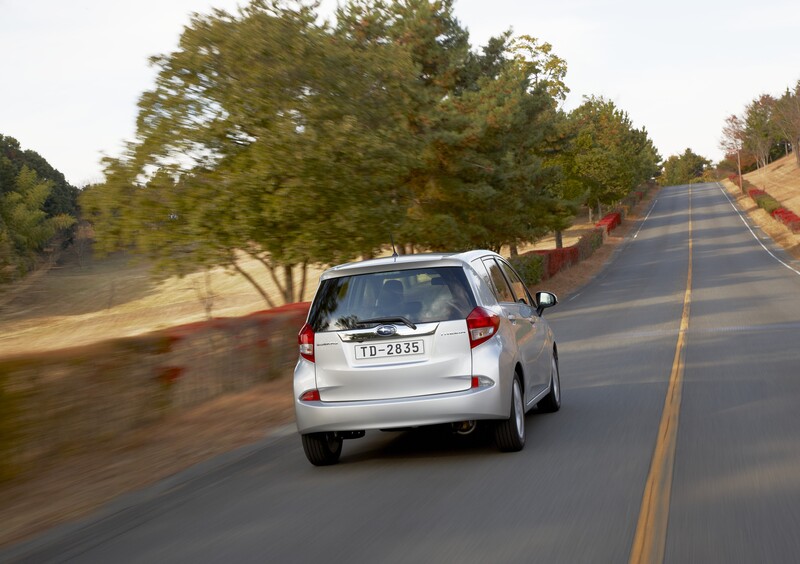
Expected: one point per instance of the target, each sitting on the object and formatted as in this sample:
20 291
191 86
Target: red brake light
310 395
306 340
482 324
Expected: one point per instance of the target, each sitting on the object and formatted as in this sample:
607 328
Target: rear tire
510 434
322 449
552 401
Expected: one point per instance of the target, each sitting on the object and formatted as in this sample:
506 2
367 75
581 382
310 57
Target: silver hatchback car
407 341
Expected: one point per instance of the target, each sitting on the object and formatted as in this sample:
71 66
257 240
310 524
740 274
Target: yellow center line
650 539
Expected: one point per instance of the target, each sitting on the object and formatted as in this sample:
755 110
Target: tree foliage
25 227
610 156
36 203
768 128
63 198
760 131
275 136
687 168
786 115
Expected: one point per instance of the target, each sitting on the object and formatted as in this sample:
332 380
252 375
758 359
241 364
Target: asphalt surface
574 494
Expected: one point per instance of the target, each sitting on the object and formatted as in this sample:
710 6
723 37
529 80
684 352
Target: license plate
381 350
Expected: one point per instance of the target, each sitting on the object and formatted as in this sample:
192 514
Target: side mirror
545 300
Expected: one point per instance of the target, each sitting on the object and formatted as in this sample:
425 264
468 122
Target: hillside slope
74 304
781 179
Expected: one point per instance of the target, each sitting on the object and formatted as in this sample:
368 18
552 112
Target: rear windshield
421 295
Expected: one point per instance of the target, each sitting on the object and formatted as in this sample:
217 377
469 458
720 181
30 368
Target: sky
72 72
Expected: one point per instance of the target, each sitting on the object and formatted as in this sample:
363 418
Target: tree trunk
272 274
288 279
739 170
559 240
303 280
255 284
599 210
513 250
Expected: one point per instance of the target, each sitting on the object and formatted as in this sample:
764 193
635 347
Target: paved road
575 493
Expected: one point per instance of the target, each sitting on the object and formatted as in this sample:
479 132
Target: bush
558 259
610 221
531 267
763 200
590 242
768 204
788 218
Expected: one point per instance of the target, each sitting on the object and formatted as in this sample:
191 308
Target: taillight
482 324
306 340
310 395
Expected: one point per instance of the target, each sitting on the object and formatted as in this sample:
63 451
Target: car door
517 308
537 371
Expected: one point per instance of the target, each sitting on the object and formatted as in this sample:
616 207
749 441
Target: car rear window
420 295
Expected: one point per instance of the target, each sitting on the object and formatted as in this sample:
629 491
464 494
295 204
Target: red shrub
610 221
558 259
788 218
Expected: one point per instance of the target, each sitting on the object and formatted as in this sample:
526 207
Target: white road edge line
725 193
652 207
645 218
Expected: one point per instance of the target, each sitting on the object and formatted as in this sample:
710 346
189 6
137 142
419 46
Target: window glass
420 295
517 285
504 293
482 282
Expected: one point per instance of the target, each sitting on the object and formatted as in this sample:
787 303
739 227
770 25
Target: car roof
404 262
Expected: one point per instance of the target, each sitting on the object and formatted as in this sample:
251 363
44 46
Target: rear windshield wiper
377 320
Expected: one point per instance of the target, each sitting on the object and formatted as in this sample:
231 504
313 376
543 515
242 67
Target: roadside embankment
68 401
771 198
88 424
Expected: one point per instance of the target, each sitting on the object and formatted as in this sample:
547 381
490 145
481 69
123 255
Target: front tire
510 434
552 401
322 449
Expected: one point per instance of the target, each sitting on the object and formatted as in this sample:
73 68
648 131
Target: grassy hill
71 304
74 304
781 180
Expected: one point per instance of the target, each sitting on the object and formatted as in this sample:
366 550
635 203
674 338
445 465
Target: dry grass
781 180
71 305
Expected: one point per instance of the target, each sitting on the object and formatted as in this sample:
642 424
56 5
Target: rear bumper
478 403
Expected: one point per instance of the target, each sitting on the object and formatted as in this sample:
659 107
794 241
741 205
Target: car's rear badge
386 330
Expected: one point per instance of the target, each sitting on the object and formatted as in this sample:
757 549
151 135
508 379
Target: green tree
267 136
63 198
25 227
611 157
786 116
760 131
687 168
732 142
482 120
486 147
